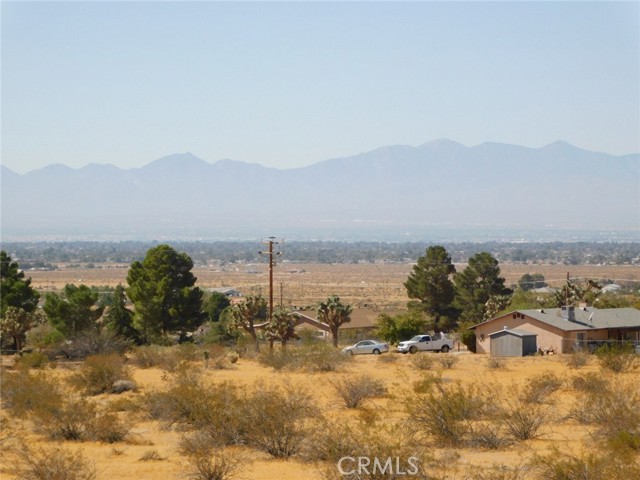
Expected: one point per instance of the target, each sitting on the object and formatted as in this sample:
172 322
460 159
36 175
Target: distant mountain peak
443 143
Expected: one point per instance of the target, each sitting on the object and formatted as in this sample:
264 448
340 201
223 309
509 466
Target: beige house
566 329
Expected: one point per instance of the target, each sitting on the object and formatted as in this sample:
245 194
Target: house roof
360 318
587 318
515 331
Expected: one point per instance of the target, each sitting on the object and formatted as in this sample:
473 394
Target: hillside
392 191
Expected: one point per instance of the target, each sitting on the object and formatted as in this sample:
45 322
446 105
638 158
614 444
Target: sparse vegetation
54 463
354 391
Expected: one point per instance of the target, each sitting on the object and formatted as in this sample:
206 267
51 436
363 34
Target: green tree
74 311
215 304
281 327
476 284
401 327
15 290
247 313
531 281
335 314
119 318
430 283
162 290
16 322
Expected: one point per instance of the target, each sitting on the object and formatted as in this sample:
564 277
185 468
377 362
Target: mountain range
399 190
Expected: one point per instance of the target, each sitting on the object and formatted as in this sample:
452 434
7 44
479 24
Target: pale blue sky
289 84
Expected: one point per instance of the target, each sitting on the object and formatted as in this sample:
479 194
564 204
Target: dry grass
480 449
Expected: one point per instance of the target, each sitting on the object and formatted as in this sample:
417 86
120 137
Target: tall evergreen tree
476 284
75 311
119 318
335 314
215 304
162 290
430 283
15 289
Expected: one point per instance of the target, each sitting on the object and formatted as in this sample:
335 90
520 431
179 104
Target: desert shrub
316 357
489 436
24 392
616 358
331 441
99 372
354 391
427 382
151 456
190 403
524 420
67 420
498 472
277 418
447 361
496 363
32 360
613 411
107 427
149 356
422 362
539 387
558 465
92 342
578 359
206 461
590 383
387 358
53 464
444 412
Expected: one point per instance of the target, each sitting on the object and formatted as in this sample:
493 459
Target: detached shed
513 343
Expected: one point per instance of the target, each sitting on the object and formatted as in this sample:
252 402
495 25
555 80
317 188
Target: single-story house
362 325
226 291
565 329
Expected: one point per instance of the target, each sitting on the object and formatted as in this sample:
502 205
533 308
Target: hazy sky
289 84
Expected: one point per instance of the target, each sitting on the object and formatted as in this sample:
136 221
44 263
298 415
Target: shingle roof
515 331
587 318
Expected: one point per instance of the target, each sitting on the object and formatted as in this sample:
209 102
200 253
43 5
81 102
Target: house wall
547 336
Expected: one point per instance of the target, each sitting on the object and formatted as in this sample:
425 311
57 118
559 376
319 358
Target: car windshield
416 338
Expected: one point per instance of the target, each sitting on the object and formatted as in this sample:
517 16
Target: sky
288 84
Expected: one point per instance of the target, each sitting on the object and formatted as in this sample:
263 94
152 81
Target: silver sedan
367 346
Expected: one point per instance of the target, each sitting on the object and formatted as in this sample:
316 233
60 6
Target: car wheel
376 352
351 352
413 349
444 349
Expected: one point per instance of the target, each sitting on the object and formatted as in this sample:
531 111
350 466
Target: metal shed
513 343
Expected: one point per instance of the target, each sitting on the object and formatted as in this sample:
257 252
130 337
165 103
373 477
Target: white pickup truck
436 343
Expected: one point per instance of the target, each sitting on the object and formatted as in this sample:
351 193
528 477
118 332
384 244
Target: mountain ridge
396 187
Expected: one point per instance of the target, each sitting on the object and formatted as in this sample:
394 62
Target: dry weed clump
447 361
277 419
578 359
99 373
596 465
613 410
445 412
525 420
207 461
539 387
617 358
317 357
24 391
354 391
496 363
53 464
190 403
422 362
332 441
31 360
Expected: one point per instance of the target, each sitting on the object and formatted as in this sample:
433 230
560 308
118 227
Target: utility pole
272 263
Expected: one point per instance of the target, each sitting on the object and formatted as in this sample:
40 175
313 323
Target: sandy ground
123 460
